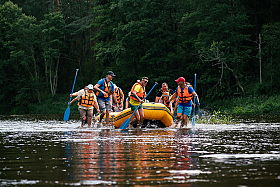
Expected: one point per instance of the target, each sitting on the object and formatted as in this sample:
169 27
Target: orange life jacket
165 98
87 100
184 95
106 89
141 94
119 95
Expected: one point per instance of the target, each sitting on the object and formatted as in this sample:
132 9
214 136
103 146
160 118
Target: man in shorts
185 94
137 95
105 89
86 102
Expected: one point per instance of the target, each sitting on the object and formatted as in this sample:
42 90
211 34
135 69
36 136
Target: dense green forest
232 45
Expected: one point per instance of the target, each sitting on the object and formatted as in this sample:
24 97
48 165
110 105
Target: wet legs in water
139 118
182 120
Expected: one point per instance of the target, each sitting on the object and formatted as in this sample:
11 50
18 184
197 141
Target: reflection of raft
152 111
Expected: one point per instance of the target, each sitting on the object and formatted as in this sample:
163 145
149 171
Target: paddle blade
199 113
193 121
66 114
125 124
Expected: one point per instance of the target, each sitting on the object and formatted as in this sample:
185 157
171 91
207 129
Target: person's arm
173 97
122 99
158 95
195 95
96 106
96 87
136 96
77 98
157 99
126 103
80 92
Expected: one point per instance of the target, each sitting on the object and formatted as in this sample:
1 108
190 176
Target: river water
43 150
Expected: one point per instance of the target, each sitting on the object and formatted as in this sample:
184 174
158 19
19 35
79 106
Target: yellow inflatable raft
152 111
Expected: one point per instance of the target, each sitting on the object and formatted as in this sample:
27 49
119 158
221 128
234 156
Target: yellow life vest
87 100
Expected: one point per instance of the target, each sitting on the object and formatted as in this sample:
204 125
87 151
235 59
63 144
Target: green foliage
246 105
44 41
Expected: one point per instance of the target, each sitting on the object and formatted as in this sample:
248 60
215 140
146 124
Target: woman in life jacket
118 103
164 95
86 103
185 94
165 99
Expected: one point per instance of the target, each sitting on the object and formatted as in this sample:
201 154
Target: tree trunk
260 57
36 76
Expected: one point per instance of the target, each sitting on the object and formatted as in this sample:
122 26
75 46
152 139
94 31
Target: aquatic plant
217 117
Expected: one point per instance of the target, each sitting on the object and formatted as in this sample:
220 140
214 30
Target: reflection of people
105 88
136 98
185 94
119 99
86 103
163 96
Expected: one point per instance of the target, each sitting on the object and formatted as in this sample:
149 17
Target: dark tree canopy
232 46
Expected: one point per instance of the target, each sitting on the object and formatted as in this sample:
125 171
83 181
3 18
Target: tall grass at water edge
221 111
248 105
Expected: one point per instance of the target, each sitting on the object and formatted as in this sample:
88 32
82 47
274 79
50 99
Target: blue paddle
67 111
193 119
126 122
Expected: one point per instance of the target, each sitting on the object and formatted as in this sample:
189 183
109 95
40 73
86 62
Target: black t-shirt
159 94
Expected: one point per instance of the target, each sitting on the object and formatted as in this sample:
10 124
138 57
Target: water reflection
128 157
45 152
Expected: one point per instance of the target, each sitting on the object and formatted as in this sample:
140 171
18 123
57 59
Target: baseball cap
111 73
180 79
90 87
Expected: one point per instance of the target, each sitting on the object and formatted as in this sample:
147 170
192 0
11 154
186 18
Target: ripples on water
44 151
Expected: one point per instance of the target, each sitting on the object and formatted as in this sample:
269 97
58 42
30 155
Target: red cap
180 79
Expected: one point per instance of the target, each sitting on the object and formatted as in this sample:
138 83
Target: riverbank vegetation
232 46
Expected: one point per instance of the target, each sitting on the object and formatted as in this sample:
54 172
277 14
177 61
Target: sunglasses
145 81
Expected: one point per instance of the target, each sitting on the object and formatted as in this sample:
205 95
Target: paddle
193 119
67 111
126 122
198 111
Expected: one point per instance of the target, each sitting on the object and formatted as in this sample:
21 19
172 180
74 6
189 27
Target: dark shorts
104 105
133 107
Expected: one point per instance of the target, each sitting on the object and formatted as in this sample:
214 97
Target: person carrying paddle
119 101
136 97
185 94
163 96
86 103
105 88
80 92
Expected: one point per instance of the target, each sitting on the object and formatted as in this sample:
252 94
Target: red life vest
87 100
106 89
184 95
141 94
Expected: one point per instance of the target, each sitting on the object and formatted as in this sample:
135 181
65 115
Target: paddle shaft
73 85
193 121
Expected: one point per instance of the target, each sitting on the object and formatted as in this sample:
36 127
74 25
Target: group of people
109 98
